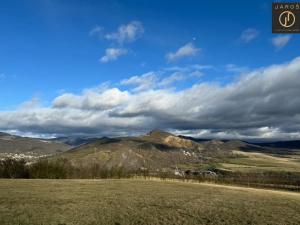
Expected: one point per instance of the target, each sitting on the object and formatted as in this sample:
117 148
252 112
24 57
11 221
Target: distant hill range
156 150
11 145
281 144
294 144
73 141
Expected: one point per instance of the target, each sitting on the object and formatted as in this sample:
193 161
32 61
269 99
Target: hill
292 145
28 148
73 140
163 151
155 150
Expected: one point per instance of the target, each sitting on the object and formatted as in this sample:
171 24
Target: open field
253 162
142 202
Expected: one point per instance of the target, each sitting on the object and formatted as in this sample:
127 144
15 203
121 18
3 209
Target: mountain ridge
156 150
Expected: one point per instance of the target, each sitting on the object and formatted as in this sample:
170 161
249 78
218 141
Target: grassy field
253 162
116 202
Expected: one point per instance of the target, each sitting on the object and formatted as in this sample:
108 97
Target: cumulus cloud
280 41
249 35
112 54
92 99
245 108
126 33
187 50
35 102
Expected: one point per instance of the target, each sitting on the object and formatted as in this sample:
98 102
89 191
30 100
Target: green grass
142 202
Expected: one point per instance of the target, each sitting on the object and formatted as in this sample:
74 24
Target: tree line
64 169
59 169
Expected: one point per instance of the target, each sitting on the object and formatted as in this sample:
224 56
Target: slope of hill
281 144
149 151
159 150
277 148
169 139
24 147
73 141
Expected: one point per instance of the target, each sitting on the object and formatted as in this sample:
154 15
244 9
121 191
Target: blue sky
49 47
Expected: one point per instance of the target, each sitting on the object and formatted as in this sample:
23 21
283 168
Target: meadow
258 162
130 201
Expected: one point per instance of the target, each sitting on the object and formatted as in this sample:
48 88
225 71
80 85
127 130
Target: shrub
11 168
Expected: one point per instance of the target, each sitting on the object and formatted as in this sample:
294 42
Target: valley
155 151
155 154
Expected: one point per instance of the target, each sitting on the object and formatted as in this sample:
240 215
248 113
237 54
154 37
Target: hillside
24 147
152 151
162 151
292 145
156 151
73 140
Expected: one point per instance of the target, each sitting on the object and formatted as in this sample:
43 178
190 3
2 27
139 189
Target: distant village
28 156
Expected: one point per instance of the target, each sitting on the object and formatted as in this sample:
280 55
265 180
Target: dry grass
252 161
142 202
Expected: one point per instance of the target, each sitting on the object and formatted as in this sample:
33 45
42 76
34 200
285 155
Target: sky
200 68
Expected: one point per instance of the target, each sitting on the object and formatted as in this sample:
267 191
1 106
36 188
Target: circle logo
287 19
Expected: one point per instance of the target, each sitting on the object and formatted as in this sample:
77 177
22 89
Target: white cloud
197 73
245 108
249 35
92 99
126 33
112 54
236 69
189 71
96 31
265 133
164 78
187 50
189 68
35 102
177 76
143 82
280 41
